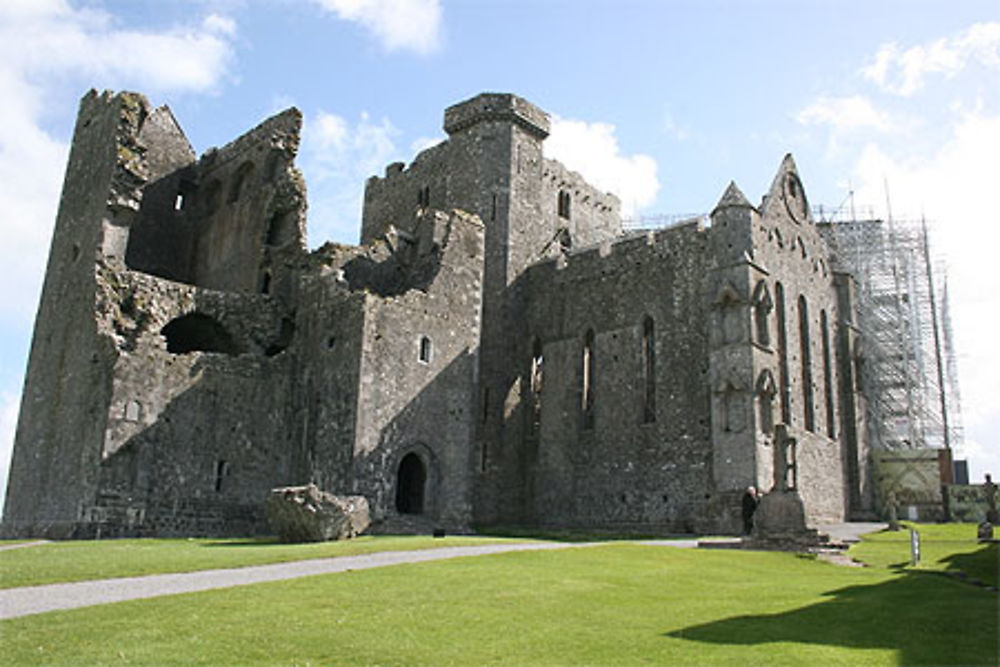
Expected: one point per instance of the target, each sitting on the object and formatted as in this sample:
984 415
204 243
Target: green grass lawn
103 559
617 603
949 547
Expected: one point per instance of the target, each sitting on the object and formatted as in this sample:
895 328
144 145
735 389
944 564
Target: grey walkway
847 533
21 545
29 600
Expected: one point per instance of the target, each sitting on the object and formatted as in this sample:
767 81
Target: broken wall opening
197 332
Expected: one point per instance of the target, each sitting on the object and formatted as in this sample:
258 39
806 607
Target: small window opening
222 471
587 388
265 283
564 204
179 202
486 405
424 196
649 371
425 350
493 210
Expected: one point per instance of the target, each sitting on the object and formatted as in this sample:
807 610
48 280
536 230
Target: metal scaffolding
907 360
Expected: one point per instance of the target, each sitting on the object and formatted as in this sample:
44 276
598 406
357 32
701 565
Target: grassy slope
947 547
82 560
620 603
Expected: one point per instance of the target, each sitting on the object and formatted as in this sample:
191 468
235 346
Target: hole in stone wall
265 283
196 332
425 350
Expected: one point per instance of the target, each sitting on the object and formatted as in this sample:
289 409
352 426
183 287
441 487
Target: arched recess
197 332
765 390
410 494
240 180
411 485
731 394
762 306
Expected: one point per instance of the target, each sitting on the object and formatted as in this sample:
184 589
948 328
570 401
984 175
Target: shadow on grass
573 536
247 542
926 620
981 564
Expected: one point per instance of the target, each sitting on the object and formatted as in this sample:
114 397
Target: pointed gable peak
787 193
733 197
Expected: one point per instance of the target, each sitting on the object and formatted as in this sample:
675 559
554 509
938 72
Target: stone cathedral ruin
496 351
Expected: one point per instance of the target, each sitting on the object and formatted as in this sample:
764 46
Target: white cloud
955 188
337 158
592 149
845 113
413 25
46 47
423 143
902 72
9 404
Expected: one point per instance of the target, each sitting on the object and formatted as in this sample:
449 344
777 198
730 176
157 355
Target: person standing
750 501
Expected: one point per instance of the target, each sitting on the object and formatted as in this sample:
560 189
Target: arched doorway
410 483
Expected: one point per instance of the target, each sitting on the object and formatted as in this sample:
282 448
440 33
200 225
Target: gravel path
29 600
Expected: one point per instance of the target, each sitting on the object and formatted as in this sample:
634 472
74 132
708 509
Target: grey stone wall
626 468
54 467
495 352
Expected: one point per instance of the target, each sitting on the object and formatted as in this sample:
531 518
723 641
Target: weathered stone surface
306 514
497 350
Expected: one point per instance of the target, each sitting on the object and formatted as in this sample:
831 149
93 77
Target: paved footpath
29 600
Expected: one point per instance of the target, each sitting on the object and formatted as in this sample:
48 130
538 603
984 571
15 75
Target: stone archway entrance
411 481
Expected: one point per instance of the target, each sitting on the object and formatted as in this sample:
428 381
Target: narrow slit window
222 470
649 371
587 385
808 414
425 350
827 375
783 390
564 204
537 377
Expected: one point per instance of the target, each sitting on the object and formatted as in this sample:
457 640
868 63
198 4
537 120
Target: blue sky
662 102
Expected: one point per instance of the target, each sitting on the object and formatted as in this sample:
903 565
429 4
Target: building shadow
924 619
